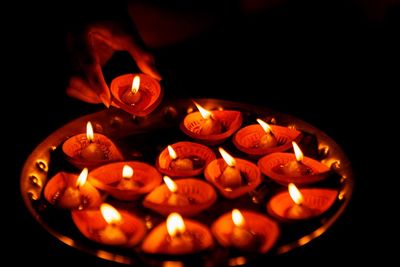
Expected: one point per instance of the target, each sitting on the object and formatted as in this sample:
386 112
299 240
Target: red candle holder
271 166
192 237
191 159
192 197
128 232
248 139
109 178
316 201
63 192
259 233
150 92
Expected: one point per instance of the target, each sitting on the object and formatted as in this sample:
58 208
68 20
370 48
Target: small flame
170 184
204 112
295 194
265 126
110 214
175 224
82 178
135 84
228 158
89 132
172 152
297 152
127 172
237 218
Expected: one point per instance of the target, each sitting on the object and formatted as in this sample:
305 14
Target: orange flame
110 214
172 152
204 112
295 194
82 178
237 218
297 152
265 126
89 132
228 158
175 224
127 172
135 84
170 184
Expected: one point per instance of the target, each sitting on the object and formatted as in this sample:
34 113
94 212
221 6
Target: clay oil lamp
261 139
125 180
186 196
184 159
137 94
233 177
177 236
246 231
285 168
300 205
211 127
110 226
70 191
90 150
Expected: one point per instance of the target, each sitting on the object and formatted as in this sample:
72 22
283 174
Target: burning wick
268 139
298 210
210 125
179 239
93 150
112 234
175 198
126 182
296 167
72 196
132 95
242 238
184 164
231 176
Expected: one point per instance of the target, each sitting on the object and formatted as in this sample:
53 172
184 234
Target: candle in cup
210 124
268 139
231 176
242 238
175 198
179 239
72 195
132 95
126 181
112 233
177 163
296 167
297 210
92 151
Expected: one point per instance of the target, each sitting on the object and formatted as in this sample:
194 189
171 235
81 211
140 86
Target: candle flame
228 158
135 84
127 172
204 112
172 152
82 178
237 218
110 214
170 184
295 194
297 152
175 224
265 126
89 132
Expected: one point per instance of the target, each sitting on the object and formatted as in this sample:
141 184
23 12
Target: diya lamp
90 150
233 177
177 236
70 191
137 94
187 196
184 159
125 180
211 127
246 231
261 139
300 205
285 168
109 226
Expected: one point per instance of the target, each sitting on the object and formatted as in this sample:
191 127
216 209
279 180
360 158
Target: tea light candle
179 239
231 176
93 151
177 163
268 139
72 195
210 124
175 198
132 96
127 182
112 234
241 237
296 167
298 210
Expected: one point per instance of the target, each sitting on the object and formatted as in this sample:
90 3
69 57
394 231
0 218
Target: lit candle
175 198
296 167
93 151
132 95
210 125
126 182
231 176
242 237
268 139
298 210
177 163
179 239
112 233
72 196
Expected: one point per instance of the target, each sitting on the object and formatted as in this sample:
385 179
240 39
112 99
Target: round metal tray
142 138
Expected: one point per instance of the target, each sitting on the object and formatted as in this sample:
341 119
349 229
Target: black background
329 64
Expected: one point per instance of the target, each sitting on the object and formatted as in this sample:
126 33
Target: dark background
331 64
